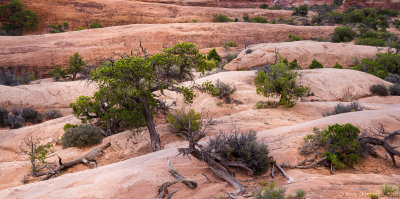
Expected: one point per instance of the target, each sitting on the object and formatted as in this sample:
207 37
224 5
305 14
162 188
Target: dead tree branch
163 190
188 182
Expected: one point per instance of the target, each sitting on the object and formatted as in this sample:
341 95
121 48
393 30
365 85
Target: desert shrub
3 117
27 78
57 73
58 28
300 193
395 89
31 115
231 56
15 120
52 114
356 16
339 143
246 17
258 19
393 78
381 65
68 126
184 121
388 189
338 66
343 34
213 55
370 42
373 196
249 50
241 147
8 78
220 18
267 104
396 23
84 135
220 89
335 18
388 12
275 7
230 43
95 25
315 64
264 6
319 39
291 65
300 11
295 37
79 28
75 65
379 89
15 18
278 80
269 192
340 108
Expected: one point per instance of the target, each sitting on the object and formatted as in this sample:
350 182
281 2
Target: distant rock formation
379 4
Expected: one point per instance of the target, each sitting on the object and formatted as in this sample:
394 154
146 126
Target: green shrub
221 18
278 80
275 7
356 16
68 126
294 38
57 73
335 18
264 6
388 12
258 19
315 64
379 89
338 66
241 147
184 121
300 11
194 21
230 43
231 56
75 65
388 190
395 89
269 192
246 17
343 34
213 55
220 90
84 135
370 42
373 196
52 114
393 78
3 117
58 28
15 120
31 115
79 28
14 18
341 145
95 25
300 193
340 108
267 104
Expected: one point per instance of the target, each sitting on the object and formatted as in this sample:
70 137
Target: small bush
15 120
340 108
68 126
294 38
249 51
246 17
57 73
95 25
338 66
213 55
388 190
300 193
395 89
182 121
379 89
231 56
258 19
220 90
315 64
241 147
27 78
370 42
373 196
264 6
31 115
15 18
343 34
52 114
8 78
267 104
3 117
269 192
58 28
275 7
300 11
230 43
82 136
393 78
221 18
75 65
79 28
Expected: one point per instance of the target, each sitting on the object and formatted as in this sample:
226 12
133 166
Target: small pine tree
315 64
75 65
213 55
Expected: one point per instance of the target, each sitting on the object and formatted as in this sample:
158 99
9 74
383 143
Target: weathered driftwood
88 159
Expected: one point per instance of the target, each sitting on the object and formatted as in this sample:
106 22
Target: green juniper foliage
15 18
315 64
184 121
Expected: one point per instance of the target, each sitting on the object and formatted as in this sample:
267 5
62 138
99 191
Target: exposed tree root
273 164
163 190
188 182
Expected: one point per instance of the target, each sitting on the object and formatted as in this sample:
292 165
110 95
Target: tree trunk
154 137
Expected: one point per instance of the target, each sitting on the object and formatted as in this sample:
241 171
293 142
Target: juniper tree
127 96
